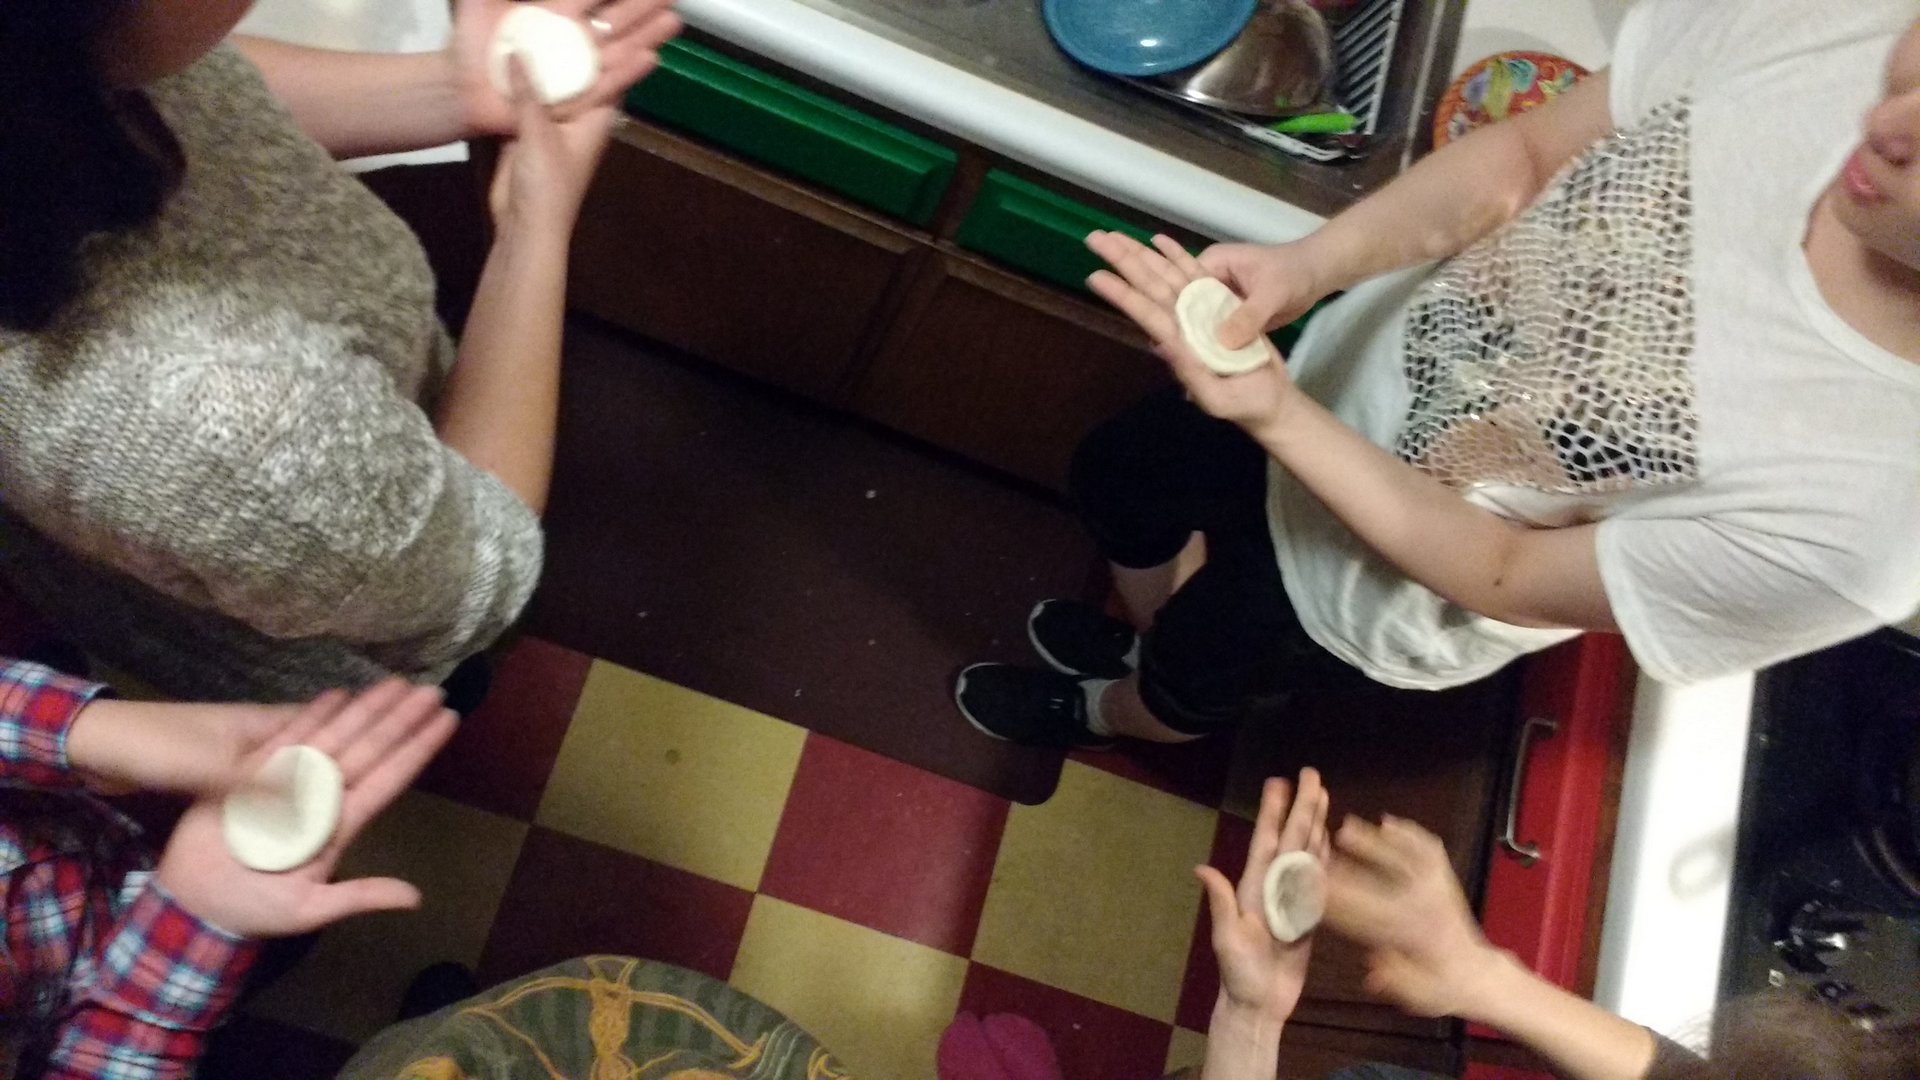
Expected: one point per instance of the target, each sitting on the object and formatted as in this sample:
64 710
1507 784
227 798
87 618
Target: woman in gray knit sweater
238 455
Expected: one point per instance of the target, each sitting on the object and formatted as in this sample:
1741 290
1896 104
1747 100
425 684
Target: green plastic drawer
1044 234
796 131
1036 231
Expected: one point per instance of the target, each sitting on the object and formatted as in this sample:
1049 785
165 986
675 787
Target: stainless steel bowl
1280 64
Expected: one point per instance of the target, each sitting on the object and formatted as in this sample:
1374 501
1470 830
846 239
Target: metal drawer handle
1527 854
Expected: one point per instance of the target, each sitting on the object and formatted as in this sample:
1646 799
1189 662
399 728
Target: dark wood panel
1004 371
444 205
1429 757
1310 1052
730 263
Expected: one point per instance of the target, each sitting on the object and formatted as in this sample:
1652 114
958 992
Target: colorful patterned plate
1502 85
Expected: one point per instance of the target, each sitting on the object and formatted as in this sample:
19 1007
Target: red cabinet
1547 875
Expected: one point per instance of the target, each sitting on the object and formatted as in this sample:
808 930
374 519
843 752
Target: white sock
1094 688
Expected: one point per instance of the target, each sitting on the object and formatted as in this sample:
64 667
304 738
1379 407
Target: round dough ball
1201 309
288 814
560 56
1295 895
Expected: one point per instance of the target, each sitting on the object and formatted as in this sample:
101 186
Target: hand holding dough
1201 309
1295 895
289 812
560 57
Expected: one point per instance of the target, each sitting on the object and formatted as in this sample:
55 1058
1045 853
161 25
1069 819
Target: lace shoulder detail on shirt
1556 354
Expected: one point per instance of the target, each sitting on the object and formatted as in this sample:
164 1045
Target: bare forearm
500 404
1582 1040
356 104
1242 1044
1463 191
1438 208
1420 525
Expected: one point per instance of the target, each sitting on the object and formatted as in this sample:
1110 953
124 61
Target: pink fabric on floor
1023 1047
1000 1047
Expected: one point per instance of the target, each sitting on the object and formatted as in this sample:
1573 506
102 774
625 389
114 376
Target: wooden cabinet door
1004 371
1434 758
1313 1053
689 247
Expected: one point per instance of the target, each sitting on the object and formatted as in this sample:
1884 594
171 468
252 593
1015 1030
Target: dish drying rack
1362 52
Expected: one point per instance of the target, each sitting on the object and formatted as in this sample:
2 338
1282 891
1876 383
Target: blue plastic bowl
1144 37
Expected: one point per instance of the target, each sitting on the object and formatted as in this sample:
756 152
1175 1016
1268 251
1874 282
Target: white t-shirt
1645 347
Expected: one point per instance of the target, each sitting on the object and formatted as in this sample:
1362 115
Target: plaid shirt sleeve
164 979
37 707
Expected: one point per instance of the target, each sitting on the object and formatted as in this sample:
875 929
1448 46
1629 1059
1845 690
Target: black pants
1227 646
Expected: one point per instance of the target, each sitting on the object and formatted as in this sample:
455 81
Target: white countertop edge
965 105
1666 920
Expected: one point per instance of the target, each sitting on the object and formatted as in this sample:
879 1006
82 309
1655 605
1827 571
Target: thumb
1247 322
529 114
362 896
1221 902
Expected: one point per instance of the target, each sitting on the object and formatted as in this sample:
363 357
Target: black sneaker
1079 639
435 988
1026 705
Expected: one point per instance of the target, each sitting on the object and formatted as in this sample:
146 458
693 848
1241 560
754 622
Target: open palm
381 740
1256 969
1143 284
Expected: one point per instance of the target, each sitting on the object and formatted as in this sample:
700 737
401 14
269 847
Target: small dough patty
1201 309
289 813
561 58
1295 895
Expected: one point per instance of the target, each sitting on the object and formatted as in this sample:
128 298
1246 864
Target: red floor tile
570 897
1195 770
1094 1041
500 758
886 845
1202 982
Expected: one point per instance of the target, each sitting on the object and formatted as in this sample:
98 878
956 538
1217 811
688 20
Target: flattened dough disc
288 814
561 58
1201 309
1295 895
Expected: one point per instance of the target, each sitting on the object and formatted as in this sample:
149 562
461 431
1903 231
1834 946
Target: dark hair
77 157
1784 1035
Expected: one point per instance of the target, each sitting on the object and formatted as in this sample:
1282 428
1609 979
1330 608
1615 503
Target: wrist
451 86
1245 1024
518 233
96 744
1277 429
1318 257
1491 982
1243 1042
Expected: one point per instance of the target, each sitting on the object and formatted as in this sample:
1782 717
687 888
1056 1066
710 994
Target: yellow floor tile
1188 1050
879 1003
350 985
1094 893
673 776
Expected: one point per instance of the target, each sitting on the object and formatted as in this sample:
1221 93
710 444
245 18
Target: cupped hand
1257 971
1393 891
544 169
189 749
1277 282
381 739
1144 284
629 44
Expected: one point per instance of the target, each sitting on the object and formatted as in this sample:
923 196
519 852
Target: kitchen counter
964 67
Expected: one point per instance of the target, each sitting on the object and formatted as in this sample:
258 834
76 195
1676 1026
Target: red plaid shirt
102 976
